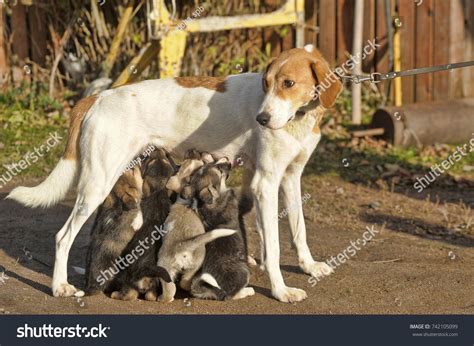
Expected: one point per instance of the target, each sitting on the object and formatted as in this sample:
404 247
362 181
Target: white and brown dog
273 127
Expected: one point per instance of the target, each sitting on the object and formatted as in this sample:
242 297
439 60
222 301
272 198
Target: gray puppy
224 273
183 249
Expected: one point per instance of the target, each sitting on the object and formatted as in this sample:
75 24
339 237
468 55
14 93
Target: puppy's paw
251 261
67 290
138 221
163 299
129 295
289 295
317 269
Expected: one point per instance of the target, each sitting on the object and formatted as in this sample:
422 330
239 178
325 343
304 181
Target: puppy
183 249
224 273
141 276
113 229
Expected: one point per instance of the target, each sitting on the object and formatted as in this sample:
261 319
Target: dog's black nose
263 118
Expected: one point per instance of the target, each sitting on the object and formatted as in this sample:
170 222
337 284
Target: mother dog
269 120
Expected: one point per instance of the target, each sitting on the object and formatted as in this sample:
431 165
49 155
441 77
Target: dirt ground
421 262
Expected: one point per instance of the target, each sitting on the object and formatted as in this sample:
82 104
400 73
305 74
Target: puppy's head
209 182
156 170
177 182
128 188
292 80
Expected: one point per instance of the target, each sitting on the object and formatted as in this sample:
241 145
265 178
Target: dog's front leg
291 188
265 188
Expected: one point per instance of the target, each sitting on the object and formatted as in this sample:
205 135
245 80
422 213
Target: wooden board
345 29
424 50
441 48
327 32
20 33
3 53
407 43
311 20
456 45
38 37
369 34
381 56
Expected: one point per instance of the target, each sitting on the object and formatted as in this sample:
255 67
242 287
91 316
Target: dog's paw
67 290
290 295
317 269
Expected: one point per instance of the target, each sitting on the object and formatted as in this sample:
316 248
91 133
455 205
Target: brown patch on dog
211 83
77 115
128 188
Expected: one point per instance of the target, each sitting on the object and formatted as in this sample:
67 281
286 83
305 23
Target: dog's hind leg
98 175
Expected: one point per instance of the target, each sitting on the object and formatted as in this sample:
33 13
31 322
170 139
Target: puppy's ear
328 86
209 194
163 274
192 154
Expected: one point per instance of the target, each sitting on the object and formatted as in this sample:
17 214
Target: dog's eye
288 83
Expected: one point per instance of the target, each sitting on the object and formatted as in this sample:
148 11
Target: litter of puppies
165 225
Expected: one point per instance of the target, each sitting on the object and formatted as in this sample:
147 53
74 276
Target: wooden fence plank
327 32
3 53
441 48
39 34
424 50
19 32
368 65
456 47
407 40
345 24
469 53
381 56
311 16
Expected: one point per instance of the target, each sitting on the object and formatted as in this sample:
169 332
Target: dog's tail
207 237
62 178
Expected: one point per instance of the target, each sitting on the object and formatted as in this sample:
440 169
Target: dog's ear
162 273
264 77
209 194
173 184
328 86
192 154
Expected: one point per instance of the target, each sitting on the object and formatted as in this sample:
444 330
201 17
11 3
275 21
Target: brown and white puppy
113 230
141 276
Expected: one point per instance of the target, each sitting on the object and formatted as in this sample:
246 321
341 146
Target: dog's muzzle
263 118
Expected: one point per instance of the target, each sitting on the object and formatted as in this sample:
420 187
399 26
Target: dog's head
208 182
292 80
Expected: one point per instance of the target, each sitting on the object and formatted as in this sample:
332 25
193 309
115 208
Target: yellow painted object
172 34
397 66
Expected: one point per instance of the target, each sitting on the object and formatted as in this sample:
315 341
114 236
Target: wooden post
3 54
357 53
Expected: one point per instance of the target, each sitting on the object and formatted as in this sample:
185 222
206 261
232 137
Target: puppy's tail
62 178
207 237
